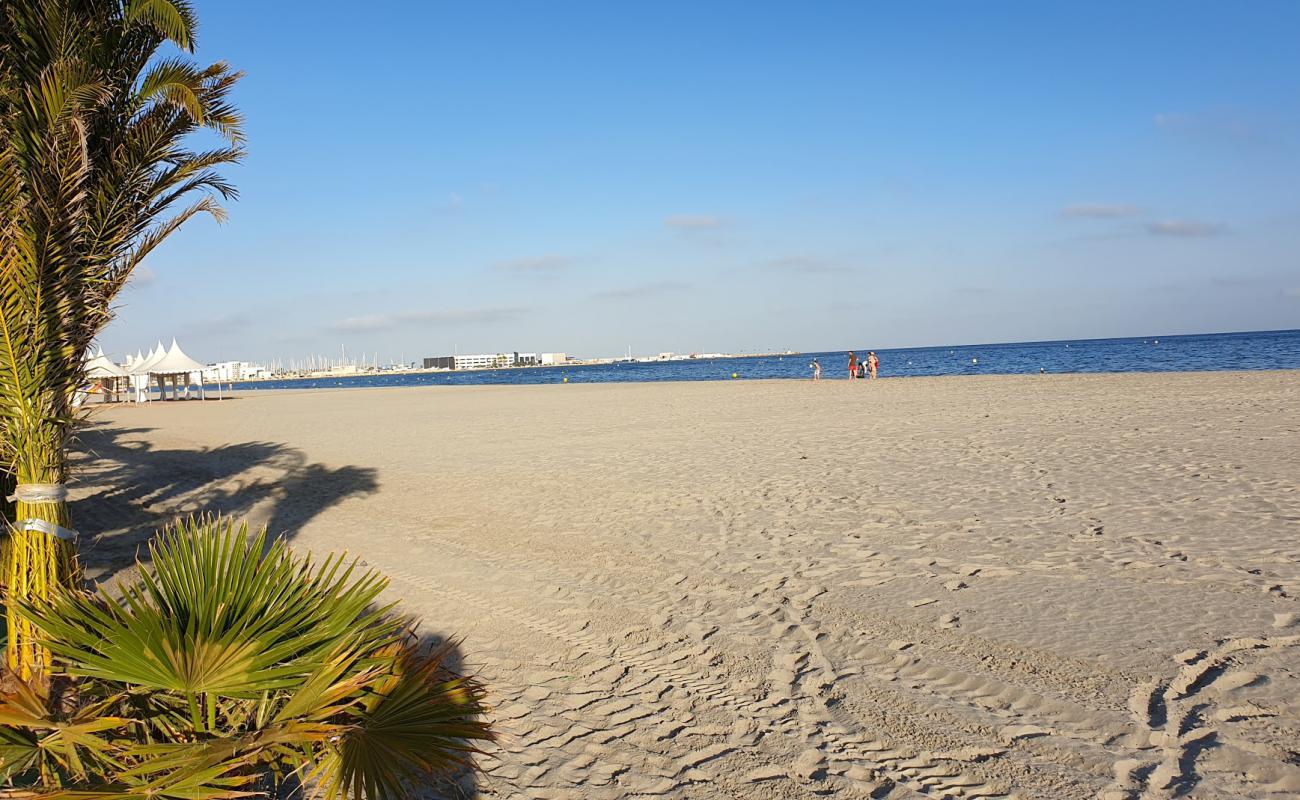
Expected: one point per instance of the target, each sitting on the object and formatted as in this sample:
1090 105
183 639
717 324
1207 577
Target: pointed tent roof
174 361
146 365
101 367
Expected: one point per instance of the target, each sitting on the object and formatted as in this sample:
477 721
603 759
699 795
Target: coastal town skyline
320 361
773 179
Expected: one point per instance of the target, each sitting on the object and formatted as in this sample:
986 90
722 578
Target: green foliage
97 168
230 665
211 620
95 172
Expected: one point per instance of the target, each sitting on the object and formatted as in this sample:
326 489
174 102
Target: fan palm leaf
222 612
419 720
231 662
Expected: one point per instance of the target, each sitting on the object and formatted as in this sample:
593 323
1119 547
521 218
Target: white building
485 361
492 360
230 371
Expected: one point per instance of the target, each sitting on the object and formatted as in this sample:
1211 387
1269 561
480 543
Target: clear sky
584 177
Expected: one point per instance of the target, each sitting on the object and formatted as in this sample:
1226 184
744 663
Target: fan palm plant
229 667
96 170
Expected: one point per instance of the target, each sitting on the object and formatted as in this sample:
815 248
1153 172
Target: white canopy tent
110 377
167 366
101 367
139 368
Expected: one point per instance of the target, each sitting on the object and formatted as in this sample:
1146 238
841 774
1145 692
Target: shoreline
241 390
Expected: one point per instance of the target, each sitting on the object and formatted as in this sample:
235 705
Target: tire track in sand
867 764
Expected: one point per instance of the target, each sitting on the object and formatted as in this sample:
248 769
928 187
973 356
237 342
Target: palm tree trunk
40 555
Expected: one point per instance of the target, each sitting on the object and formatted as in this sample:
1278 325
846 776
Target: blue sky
585 177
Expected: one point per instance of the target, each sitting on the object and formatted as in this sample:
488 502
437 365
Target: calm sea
1219 351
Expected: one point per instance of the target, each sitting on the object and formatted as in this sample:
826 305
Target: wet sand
1046 586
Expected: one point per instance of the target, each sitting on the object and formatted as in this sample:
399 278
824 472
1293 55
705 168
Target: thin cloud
642 291
1099 211
1183 228
806 265
453 205
694 222
1240 281
220 324
1292 292
143 276
371 323
534 266
1224 127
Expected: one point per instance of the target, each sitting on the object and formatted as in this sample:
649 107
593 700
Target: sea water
1207 352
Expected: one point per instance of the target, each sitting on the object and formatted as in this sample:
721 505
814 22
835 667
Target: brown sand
1055 587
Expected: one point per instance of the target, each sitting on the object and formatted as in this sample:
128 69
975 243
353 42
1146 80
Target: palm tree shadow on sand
461 783
126 489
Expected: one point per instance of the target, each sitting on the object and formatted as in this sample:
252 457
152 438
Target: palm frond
232 659
63 748
421 720
176 82
222 612
173 18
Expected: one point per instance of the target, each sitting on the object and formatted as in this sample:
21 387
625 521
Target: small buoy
566 380
734 375
974 361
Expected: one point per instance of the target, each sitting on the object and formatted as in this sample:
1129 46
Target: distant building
229 371
553 359
485 361
489 360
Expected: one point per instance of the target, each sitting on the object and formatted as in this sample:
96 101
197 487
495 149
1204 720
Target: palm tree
96 170
232 667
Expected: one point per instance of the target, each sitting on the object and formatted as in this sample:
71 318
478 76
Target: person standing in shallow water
853 365
816 367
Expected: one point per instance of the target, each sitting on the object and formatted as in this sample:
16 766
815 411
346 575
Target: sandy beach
1039 586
